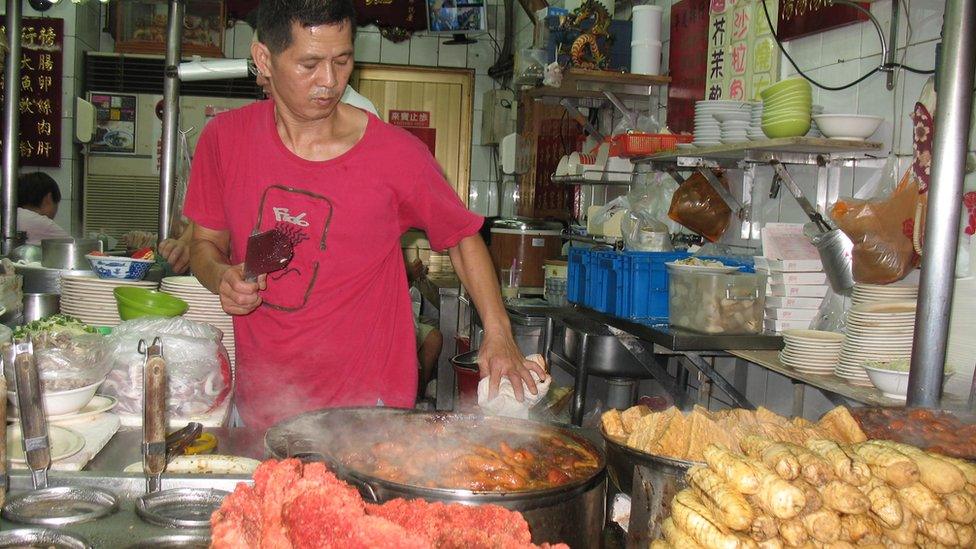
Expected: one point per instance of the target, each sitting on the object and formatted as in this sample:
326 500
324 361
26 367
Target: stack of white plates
90 299
755 122
203 306
814 129
899 291
811 351
708 129
735 125
880 330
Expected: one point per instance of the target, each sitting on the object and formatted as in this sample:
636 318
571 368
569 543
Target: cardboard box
791 314
794 302
773 325
781 290
817 278
788 265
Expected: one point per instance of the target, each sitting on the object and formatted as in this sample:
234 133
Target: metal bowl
41 305
68 253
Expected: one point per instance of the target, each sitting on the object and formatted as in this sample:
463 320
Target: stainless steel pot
38 306
68 253
651 481
572 514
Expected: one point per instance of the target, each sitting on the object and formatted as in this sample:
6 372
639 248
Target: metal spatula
267 252
33 423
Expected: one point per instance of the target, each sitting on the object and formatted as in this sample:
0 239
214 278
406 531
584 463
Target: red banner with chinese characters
41 67
417 123
687 62
799 18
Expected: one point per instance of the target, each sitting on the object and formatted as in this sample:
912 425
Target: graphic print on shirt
304 217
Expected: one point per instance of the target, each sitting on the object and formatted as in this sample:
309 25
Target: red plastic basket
642 144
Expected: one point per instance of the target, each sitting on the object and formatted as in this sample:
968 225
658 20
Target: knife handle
33 424
3 441
154 411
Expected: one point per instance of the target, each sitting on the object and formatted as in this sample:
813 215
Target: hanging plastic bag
608 210
881 230
697 206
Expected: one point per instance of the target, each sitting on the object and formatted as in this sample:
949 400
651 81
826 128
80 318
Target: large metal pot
571 514
38 306
68 253
651 481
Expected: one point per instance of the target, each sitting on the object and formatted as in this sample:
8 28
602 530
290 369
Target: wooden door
444 94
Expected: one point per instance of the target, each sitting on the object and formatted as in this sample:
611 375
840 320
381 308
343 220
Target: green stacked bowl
136 302
786 108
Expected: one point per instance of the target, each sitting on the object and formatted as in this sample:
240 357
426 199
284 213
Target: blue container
648 275
745 264
576 275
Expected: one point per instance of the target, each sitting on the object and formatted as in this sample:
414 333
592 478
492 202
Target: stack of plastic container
645 45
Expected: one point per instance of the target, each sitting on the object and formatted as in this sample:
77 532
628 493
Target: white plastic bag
196 363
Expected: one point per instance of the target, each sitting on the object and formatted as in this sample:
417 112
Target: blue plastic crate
609 284
648 292
576 273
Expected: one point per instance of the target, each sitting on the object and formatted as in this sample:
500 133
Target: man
38 197
334 328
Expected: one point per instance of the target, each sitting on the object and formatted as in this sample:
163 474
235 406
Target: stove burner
180 507
176 541
42 537
60 505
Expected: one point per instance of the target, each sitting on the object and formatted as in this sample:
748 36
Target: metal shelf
788 150
582 83
597 178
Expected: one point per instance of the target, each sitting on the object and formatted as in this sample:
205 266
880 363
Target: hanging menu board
689 53
742 55
805 17
41 67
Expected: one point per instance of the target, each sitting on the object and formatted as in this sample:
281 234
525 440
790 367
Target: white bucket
645 57
646 23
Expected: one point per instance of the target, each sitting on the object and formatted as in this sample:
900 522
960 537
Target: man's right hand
238 296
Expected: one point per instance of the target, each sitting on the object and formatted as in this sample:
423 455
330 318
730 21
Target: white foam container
646 23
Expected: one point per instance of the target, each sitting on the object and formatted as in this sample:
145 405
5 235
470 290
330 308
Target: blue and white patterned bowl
124 268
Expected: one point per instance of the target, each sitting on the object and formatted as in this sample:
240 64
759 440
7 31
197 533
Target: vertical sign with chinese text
765 52
41 67
719 39
687 62
739 67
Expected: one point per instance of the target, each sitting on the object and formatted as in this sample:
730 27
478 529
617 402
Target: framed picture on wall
115 123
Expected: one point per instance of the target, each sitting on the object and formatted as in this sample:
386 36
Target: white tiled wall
81 29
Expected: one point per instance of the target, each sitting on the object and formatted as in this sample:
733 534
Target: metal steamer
46 506
651 481
571 514
178 507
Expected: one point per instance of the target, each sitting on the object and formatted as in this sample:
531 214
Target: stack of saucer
90 299
755 132
899 291
204 307
735 125
880 330
708 128
811 351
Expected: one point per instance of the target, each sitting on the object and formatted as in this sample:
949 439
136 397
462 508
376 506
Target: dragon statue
592 21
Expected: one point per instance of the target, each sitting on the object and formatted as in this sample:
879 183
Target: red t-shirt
336 326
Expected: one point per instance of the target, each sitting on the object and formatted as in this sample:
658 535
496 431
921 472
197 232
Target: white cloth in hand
505 403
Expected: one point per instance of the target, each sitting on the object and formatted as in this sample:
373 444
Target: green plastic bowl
793 128
797 83
139 302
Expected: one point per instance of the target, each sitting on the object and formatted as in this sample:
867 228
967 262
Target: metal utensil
783 176
32 421
68 253
177 441
267 252
38 306
4 479
153 414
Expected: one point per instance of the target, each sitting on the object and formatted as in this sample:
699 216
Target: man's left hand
176 253
499 356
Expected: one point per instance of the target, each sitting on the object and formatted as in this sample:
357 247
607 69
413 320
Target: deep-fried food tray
621 460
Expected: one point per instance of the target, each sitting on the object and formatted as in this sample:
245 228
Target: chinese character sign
688 62
719 39
417 123
41 67
805 17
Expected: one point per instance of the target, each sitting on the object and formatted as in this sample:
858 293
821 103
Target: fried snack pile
676 435
304 506
822 494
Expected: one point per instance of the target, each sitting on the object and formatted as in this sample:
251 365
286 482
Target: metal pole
171 116
942 218
11 121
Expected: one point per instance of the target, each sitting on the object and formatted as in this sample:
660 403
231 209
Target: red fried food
296 506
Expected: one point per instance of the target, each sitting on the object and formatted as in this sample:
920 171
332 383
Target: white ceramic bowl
63 402
848 126
891 383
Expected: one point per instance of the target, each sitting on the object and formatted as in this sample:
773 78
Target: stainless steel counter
123 449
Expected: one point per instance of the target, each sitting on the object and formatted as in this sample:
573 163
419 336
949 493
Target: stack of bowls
709 128
814 129
735 125
786 108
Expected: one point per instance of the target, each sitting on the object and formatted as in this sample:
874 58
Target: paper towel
505 403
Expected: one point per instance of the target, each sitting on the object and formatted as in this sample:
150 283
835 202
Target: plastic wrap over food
11 288
68 363
196 363
697 206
